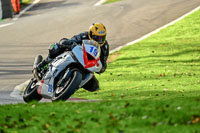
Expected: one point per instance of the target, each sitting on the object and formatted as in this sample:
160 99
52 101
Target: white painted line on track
4 25
100 2
17 90
155 31
26 9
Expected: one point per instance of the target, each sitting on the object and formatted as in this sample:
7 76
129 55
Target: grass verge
152 86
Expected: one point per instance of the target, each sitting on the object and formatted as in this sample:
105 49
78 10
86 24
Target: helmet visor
99 39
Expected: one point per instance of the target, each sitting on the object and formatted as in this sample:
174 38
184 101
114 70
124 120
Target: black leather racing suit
65 43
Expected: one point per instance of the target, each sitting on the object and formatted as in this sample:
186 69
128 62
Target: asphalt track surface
50 20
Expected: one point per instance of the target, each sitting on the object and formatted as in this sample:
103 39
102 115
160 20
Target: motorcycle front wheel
30 93
69 88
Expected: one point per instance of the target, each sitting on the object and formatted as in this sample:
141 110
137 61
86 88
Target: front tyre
30 93
71 85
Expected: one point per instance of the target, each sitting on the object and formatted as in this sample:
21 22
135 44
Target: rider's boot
41 66
36 71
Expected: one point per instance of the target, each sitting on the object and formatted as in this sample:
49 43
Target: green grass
152 86
111 1
116 116
166 64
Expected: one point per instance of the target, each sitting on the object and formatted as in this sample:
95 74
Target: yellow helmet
97 32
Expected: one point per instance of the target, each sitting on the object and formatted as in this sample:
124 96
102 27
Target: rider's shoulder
84 35
81 36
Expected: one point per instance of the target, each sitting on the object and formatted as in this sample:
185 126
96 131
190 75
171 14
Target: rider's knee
54 50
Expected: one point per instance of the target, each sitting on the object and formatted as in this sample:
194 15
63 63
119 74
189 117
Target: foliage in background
25 2
111 1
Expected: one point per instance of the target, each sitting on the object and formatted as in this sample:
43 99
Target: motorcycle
65 74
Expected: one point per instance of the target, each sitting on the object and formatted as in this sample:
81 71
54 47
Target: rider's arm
104 56
78 38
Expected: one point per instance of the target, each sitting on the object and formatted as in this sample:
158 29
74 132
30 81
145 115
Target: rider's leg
43 64
54 50
92 84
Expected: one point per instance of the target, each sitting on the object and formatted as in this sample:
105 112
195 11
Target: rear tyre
30 93
71 85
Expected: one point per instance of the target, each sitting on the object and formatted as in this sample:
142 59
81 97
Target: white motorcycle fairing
79 54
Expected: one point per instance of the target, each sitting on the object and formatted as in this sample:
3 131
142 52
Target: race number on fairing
93 50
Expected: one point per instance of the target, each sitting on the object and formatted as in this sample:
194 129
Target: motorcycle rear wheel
30 93
70 87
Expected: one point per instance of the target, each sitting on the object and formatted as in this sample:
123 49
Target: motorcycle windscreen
92 48
89 55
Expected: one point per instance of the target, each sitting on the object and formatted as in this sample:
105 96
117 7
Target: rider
97 32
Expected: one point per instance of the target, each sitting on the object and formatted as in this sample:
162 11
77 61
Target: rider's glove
103 70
